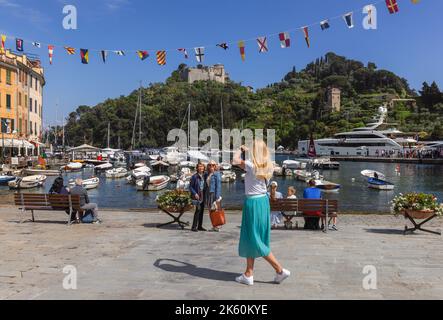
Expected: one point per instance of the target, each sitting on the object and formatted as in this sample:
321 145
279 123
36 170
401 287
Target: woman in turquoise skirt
255 232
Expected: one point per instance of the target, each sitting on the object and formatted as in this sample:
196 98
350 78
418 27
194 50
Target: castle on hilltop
204 73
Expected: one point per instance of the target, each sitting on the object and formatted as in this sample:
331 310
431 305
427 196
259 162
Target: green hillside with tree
295 106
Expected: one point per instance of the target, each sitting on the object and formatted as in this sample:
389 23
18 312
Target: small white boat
373 174
225 166
138 174
306 176
139 165
103 167
116 173
278 171
379 184
228 176
88 184
73 166
188 164
48 173
156 183
291 164
327 186
27 182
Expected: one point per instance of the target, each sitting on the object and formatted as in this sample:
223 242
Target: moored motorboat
373 174
379 184
103 167
228 176
327 186
116 173
88 184
27 182
4 179
73 166
138 174
154 184
306 176
46 172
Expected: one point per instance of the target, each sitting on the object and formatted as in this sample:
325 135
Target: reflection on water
353 196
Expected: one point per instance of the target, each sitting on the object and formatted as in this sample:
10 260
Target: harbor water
354 195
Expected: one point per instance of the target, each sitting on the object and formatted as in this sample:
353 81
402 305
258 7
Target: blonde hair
292 190
261 158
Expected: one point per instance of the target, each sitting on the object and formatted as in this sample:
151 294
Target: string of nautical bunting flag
199 52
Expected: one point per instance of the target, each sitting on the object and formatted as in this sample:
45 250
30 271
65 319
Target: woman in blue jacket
213 196
197 188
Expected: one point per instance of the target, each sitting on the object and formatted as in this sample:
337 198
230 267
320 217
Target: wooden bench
47 202
292 208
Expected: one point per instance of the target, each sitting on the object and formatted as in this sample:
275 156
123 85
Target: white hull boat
156 183
327 186
116 173
188 164
73 166
48 173
88 184
373 174
228 176
103 167
27 182
379 184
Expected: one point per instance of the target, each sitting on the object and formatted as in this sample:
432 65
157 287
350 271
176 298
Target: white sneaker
280 277
245 280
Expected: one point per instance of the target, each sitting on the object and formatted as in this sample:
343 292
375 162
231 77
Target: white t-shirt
253 186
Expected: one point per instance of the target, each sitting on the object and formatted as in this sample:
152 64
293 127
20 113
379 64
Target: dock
389 160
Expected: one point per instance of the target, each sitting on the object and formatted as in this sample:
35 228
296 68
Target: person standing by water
197 188
256 221
212 189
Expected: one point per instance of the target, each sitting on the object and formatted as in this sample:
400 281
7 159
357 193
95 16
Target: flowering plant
175 200
416 202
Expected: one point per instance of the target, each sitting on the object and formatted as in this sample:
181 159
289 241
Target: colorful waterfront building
21 100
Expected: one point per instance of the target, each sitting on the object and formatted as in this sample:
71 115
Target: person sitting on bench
84 200
292 193
58 187
276 217
312 193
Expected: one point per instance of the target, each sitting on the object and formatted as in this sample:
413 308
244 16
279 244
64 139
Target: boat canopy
84 148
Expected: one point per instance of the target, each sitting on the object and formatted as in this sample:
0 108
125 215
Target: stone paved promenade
129 258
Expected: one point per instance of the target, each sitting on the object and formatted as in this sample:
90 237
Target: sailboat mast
63 124
189 127
109 130
133 129
140 110
222 118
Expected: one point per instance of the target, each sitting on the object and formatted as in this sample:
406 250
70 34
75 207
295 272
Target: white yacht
366 141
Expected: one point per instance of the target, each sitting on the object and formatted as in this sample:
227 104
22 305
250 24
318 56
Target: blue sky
408 43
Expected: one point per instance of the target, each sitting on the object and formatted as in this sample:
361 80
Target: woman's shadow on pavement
192 270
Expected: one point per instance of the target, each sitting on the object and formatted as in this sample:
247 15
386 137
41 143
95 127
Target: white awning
16 143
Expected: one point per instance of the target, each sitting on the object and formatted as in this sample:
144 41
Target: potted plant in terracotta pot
417 205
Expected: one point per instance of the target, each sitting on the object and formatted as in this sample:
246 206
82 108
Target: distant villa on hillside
203 73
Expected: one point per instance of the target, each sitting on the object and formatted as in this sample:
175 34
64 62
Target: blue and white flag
349 20
324 24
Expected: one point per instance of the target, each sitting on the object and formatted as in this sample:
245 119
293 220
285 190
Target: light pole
12 149
3 139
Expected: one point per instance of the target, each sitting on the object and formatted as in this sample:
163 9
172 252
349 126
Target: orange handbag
217 218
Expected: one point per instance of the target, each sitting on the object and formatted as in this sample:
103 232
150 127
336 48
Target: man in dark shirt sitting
84 199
